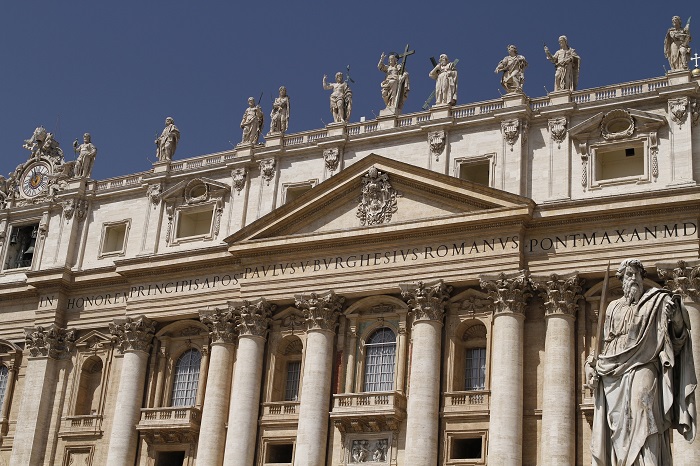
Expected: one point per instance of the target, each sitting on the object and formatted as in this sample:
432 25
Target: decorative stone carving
341 98
170 213
513 69
676 44
695 112
679 110
52 341
239 176
154 192
510 129
221 323
167 141
75 206
43 144
369 451
279 117
445 75
475 305
395 86
436 140
617 124
294 322
332 158
567 64
320 311
267 170
252 317
133 334
378 200
654 150
86 156
252 123
557 129
426 299
509 292
683 280
560 293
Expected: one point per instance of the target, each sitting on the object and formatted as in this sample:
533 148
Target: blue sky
117 69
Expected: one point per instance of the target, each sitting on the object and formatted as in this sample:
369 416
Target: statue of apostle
677 44
167 142
395 86
341 98
513 69
445 76
86 156
252 122
567 64
644 377
279 118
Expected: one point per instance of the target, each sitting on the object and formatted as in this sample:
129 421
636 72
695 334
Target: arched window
4 374
475 357
89 383
380 357
186 378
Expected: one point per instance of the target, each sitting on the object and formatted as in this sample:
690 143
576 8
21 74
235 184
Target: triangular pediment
424 199
597 125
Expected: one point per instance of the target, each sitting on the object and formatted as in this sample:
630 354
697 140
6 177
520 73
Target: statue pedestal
274 139
336 129
514 99
244 150
438 112
387 120
559 97
161 166
678 77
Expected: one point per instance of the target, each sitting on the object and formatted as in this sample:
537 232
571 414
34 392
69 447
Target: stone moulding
252 317
53 341
426 299
509 292
221 324
321 311
561 293
133 334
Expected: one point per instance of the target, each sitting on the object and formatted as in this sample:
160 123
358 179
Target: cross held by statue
405 55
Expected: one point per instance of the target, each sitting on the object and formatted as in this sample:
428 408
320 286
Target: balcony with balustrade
170 424
81 426
370 411
280 413
471 403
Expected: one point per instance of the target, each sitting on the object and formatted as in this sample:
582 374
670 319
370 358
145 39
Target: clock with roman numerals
35 179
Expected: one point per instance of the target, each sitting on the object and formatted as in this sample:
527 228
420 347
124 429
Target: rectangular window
20 250
280 453
114 238
291 389
620 162
476 172
197 223
466 448
475 369
294 192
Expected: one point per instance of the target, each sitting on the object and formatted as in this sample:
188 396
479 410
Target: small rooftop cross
405 55
695 58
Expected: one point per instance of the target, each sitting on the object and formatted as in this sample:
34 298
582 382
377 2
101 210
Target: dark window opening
20 251
466 448
170 458
280 453
476 172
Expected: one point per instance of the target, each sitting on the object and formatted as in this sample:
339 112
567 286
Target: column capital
683 279
509 292
321 311
52 341
221 324
133 334
426 299
561 293
252 317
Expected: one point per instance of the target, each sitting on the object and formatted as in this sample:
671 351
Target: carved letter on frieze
436 140
560 293
238 175
508 291
378 200
679 110
320 311
252 317
267 170
557 129
426 299
133 334
332 158
52 341
510 131
221 324
683 280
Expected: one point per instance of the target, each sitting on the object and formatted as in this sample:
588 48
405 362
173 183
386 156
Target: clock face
35 179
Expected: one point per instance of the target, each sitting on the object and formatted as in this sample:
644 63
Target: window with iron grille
186 378
475 370
291 389
4 373
380 356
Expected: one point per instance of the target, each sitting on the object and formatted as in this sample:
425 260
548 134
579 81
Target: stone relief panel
557 129
239 176
678 108
436 140
510 129
617 124
369 451
267 170
378 200
331 158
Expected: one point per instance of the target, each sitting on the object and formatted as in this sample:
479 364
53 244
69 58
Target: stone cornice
683 279
252 317
509 292
52 341
426 299
561 293
321 311
221 324
133 334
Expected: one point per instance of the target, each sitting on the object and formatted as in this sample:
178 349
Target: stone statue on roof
86 156
279 118
252 122
395 86
676 44
513 69
445 76
567 65
166 144
341 98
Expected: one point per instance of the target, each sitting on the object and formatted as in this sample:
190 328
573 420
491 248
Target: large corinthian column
427 306
509 293
321 315
212 433
561 294
252 319
134 336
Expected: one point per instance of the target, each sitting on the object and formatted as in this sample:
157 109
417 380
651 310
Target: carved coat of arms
378 200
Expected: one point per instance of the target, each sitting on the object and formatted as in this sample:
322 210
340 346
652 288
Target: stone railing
619 90
171 417
376 402
203 161
85 425
465 401
120 182
281 408
305 137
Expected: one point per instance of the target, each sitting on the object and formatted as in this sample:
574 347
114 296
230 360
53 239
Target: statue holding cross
395 86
